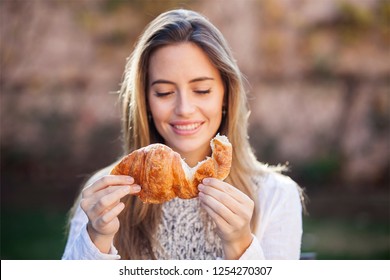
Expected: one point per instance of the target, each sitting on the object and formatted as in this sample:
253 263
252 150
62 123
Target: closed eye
203 91
162 94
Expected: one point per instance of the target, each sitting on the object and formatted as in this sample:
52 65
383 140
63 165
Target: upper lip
185 122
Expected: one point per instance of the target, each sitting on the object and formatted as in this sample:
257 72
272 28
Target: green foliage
320 170
113 5
353 21
323 66
338 239
384 12
40 235
32 235
354 15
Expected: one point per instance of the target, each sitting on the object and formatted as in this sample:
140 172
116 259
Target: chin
189 146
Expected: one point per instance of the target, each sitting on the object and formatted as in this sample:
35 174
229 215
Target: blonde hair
139 221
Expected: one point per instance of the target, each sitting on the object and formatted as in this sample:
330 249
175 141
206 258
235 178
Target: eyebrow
161 81
200 79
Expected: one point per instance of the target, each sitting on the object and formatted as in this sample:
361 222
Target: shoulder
270 179
275 187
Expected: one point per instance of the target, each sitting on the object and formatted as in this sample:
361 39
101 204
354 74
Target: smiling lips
186 128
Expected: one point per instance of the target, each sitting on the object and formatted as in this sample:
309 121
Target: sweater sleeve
279 230
79 245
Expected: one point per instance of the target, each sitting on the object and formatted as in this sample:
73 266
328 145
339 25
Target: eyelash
207 91
162 94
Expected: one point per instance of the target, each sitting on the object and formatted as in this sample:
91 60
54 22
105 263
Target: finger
132 189
109 180
108 201
220 222
222 197
88 202
226 188
218 208
228 223
94 196
108 217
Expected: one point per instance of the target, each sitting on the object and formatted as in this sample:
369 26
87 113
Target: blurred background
318 83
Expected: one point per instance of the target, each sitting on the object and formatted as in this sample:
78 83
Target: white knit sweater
187 232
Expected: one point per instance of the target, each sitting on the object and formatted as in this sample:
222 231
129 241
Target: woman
181 87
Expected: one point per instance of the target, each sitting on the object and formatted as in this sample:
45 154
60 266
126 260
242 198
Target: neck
192 159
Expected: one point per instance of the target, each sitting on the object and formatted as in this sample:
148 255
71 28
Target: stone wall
318 84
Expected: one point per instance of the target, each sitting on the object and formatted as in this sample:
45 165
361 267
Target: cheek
159 111
213 109
217 103
217 116
153 105
155 111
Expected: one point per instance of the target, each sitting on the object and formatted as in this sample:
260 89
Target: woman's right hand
101 202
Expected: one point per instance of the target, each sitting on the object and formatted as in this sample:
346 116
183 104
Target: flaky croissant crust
163 174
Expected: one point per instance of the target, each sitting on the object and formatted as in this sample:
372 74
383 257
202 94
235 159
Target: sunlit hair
139 221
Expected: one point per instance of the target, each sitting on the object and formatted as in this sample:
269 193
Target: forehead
181 61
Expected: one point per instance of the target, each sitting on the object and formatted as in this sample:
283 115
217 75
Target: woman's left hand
231 210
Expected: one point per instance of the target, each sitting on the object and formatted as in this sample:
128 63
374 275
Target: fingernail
130 179
206 181
136 188
200 187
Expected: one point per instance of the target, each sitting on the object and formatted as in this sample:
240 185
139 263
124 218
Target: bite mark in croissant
163 174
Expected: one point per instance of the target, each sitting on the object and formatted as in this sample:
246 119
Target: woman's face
185 94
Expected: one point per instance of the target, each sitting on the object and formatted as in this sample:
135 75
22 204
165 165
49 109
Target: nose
185 105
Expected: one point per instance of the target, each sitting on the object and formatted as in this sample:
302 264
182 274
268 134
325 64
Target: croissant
164 175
